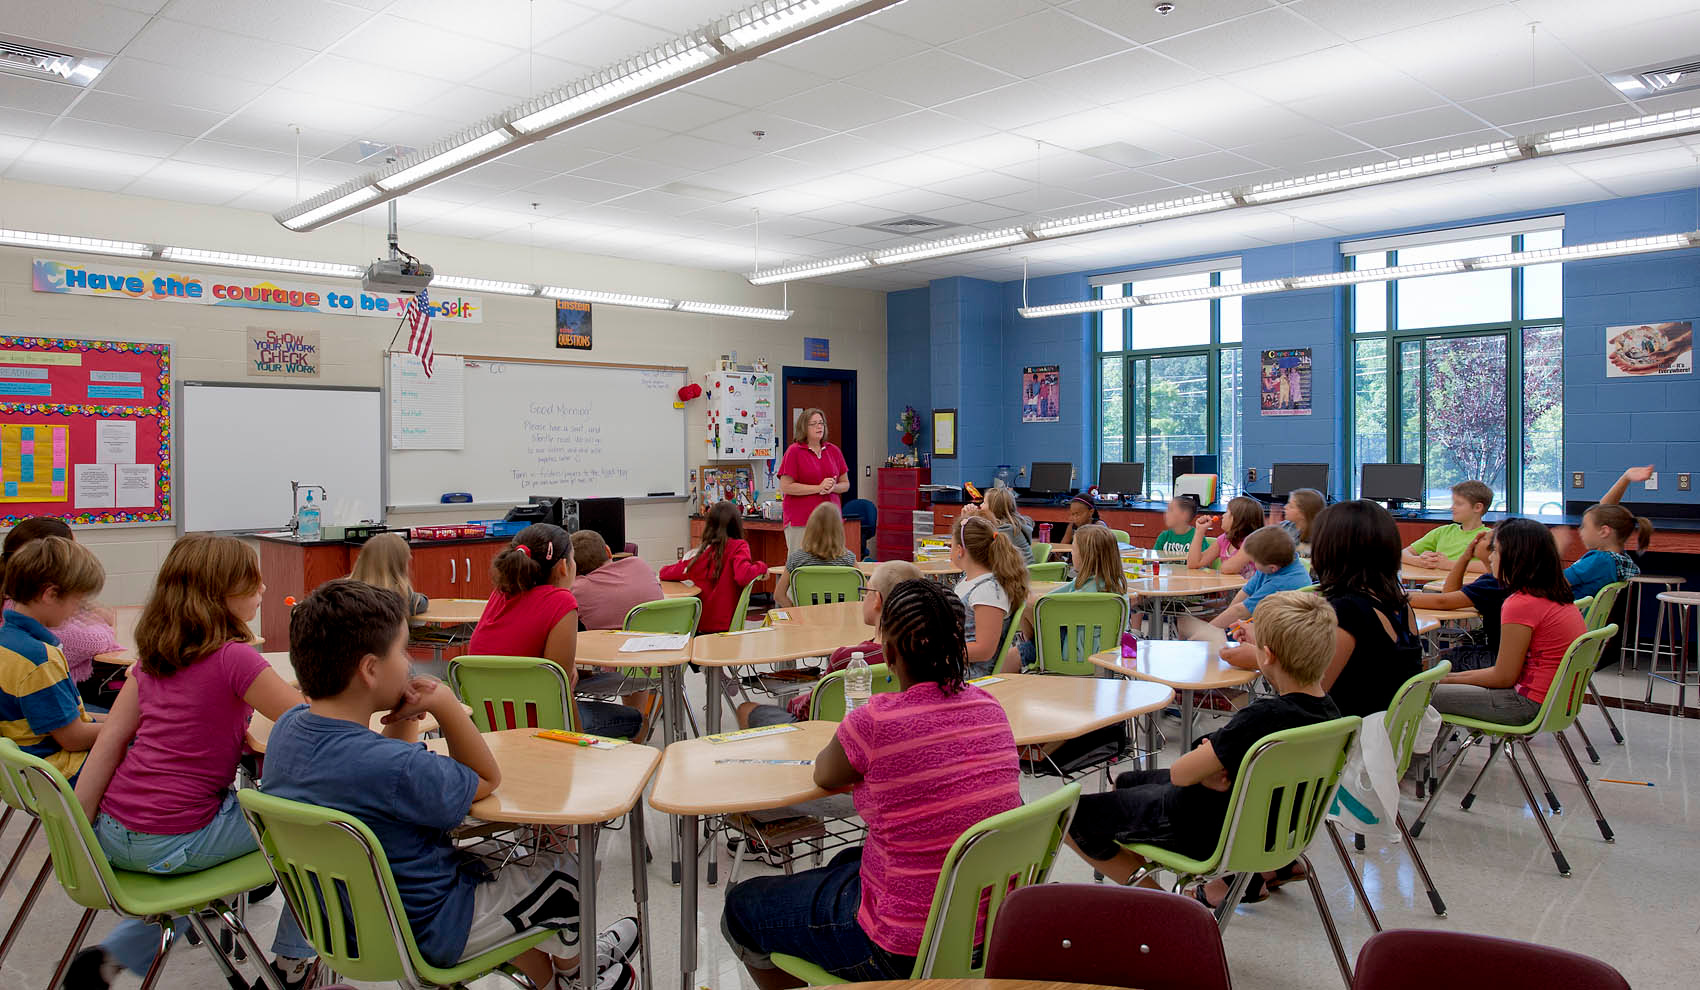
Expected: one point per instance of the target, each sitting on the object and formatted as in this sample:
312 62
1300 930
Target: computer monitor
1193 464
1050 478
1286 478
1391 482
1121 478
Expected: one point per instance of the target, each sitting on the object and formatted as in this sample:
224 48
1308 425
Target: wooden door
475 568
828 397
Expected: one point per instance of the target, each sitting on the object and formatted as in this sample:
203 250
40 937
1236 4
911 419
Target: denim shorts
810 915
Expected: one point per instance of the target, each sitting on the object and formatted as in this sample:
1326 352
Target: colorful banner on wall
283 353
572 325
1286 382
1041 394
1649 350
98 278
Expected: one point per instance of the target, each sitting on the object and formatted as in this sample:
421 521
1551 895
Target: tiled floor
1624 903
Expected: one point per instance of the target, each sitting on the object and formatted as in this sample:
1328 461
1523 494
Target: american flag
418 320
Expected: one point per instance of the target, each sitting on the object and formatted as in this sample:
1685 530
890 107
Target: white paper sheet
645 644
427 413
135 486
115 442
93 486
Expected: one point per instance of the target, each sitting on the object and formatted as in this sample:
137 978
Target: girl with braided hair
923 766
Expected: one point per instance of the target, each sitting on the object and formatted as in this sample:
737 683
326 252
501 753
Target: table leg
715 699
1150 761
673 681
688 899
640 887
587 930
1187 713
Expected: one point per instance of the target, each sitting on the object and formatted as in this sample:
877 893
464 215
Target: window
1169 376
1462 373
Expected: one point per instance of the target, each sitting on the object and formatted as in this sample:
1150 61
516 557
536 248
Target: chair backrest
1406 960
334 873
1009 632
1104 935
868 514
1120 535
1281 795
1054 570
676 616
514 692
1069 628
1004 853
13 790
1598 611
78 861
1041 552
1570 683
741 610
1405 713
822 584
826 704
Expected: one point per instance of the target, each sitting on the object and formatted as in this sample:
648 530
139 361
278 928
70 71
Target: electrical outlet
1682 482
868 472
1576 479
1251 474
1653 482
678 553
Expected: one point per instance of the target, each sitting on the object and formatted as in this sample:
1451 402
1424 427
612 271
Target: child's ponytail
1643 532
1623 524
1009 569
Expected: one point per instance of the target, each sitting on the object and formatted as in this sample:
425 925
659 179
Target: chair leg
1422 868
77 935
1445 775
225 966
1231 900
1587 744
1535 806
17 924
1605 711
167 938
18 855
1328 921
1541 775
1587 792
1493 754
234 922
1352 874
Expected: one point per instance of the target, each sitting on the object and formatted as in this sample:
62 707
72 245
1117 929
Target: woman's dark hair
1355 549
921 625
530 558
721 526
27 531
1528 561
1621 521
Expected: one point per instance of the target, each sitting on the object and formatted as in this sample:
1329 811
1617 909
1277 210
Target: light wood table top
1038 589
867 567
1181 664
839 615
772 644
602 647
1423 575
690 782
1183 583
1447 614
1049 708
126 657
452 612
679 589
260 728
553 783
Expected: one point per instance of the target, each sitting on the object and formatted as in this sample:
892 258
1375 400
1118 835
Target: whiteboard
552 428
240 445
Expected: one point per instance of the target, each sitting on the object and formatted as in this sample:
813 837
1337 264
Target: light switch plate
1576 479
1653 482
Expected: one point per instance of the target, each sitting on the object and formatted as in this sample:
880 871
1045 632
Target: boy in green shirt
1182 510
1441 547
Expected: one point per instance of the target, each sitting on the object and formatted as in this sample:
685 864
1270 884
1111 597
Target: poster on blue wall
1041 394
1650 349
1286 382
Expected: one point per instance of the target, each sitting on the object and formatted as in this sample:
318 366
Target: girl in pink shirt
923 766
157 783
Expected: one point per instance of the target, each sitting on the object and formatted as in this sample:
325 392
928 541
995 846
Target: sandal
1255 891
1285 875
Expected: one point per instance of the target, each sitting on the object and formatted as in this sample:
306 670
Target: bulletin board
85 431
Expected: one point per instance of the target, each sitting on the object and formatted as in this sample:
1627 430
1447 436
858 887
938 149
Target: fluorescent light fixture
1620 132
964 244
1167 210
1214 292
1331 279
1393 171
610 298
69 242
723 309
774 18
813 269
262 263
341 205
612 84
435 161
1583 252
465 284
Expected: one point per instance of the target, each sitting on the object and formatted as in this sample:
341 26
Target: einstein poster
1650 349
1041 394
1286 382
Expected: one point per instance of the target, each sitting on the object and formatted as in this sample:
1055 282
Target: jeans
1501 705
604 718
811 915
134 943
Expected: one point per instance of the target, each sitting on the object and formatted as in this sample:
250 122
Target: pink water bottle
1044 532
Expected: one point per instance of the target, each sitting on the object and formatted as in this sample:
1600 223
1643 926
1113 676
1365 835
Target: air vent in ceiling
1122 153
1652 80
694 191
57 64
909 225
369 152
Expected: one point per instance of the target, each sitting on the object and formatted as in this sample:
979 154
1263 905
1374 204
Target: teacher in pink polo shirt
813 471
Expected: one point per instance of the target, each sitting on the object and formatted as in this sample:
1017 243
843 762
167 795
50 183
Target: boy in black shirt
1183 808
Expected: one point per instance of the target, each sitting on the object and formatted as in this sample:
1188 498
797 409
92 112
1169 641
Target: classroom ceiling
976 113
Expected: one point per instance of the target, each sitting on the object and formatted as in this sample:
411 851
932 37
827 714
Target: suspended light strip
228 259
650 70
1394 171
465 284
1619 132
723 309
951 245
71 242
773 18
443 157
332 205
1190 206
1328 280
610 298
813 270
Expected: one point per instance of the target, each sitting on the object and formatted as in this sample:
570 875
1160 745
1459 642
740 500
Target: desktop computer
1124 478
1391 483
1286 478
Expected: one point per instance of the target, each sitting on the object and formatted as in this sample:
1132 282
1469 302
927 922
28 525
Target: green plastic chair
1277 804
1009 634
1121 536
1041 552
1054 570
1002 854
740 611
669 616
1070 628
826 704
514 692
17 803
1403 721
1558 712
1596 612
91 881
821 584
363 933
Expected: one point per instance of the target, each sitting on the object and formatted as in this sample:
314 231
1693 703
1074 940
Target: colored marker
572 738
771 763
1632 783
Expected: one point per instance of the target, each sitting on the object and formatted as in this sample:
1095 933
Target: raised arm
1615 494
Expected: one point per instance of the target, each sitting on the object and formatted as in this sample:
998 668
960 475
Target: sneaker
91 969
303 977
617 942
617 976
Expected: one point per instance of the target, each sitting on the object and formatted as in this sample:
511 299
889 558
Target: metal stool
1680 606
1630 646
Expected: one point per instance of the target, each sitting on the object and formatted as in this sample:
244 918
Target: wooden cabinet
455 570
1141 525
898 498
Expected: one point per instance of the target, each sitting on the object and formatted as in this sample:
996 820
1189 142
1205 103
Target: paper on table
93 486
645 644
135 485
115 442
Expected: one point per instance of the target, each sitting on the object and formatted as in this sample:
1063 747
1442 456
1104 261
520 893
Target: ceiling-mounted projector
404 274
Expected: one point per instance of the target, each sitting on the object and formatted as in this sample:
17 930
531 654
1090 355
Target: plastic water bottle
858 683
308 528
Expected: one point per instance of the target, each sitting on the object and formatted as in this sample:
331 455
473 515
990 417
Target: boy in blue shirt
348 643
47 583
1278 569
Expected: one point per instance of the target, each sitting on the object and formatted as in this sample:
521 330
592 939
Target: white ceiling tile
838 107
95 26
990 151
1357 19
923 130
1588 93
1122 184
941 23
391 41
1301 152
1138 22
695 150
50 154
1258 39
987 186
756 83
288 107
314 24
678 112
1447 143
332 78
931 78
975 214
195 183
1217 165
96 175
602 40
925 202
218 154
219 53
500 175
255 131
1477 54
612 135
1610 44
22 123
632 171
1037 44
1119 77
36 95
130 140
145 115
157 83
919 170
561 189
845 151
849 187
1439 122
1009 106
515 23
848 50
778 133
525 75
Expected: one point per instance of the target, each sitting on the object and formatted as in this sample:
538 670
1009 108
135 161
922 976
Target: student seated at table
1299 514
1479 648
157 785
1376 648
85 635
1178 516
1097 567
1181 809
1538 622
1440 547
886 577
993 587
999 507
348 643
46 583
608 589
533 614
1605 530
383 563
1245 517
861 917
1081 512
720 565
1278 568
822 543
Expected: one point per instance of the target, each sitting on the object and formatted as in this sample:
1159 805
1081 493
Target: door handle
452 578
468 562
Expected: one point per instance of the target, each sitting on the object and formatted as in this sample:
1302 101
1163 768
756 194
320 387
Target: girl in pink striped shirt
923 766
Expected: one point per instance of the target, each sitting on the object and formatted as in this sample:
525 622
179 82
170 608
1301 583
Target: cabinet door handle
468 562
452 578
